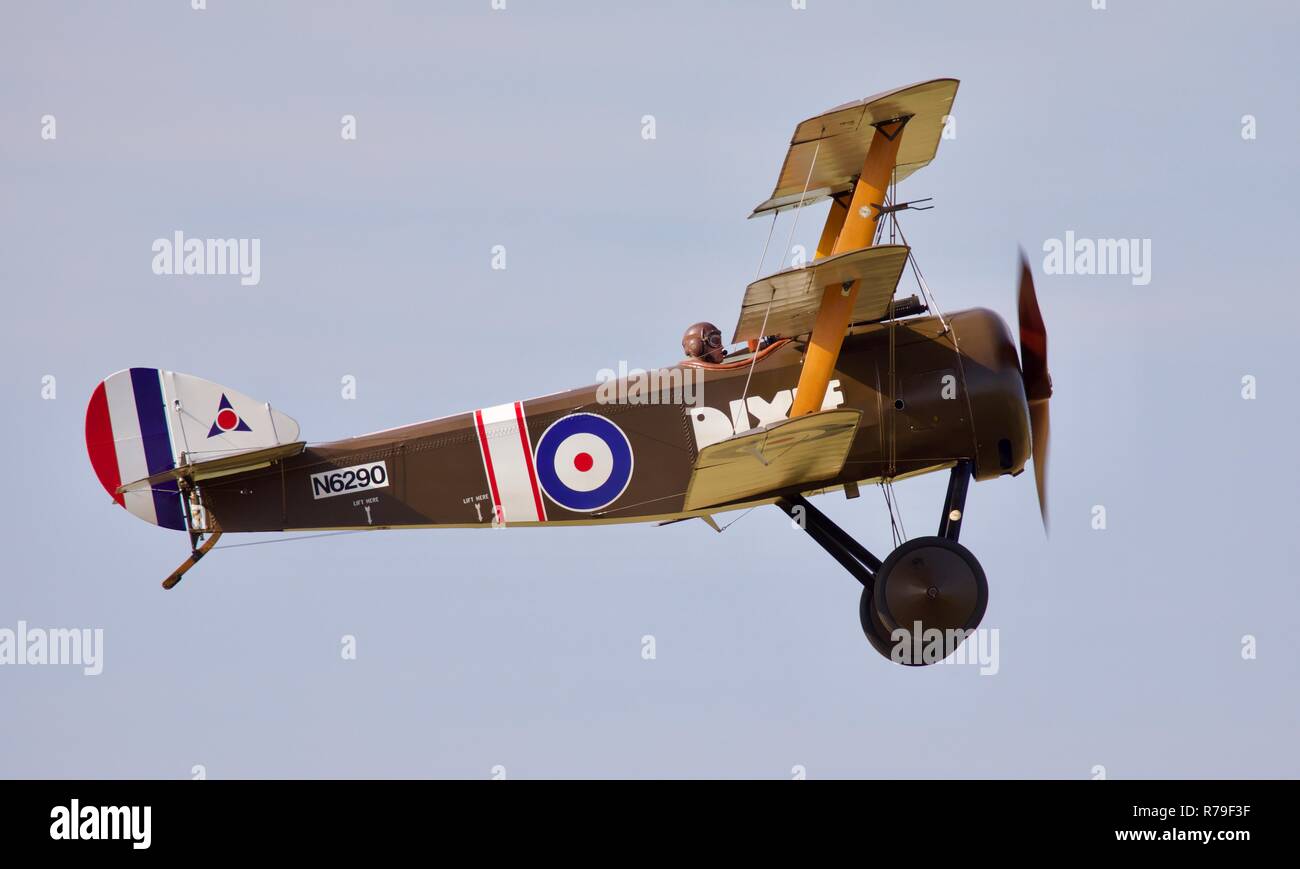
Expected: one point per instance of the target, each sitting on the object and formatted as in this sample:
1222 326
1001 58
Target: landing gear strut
920 602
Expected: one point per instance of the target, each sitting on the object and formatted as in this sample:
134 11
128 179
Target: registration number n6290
342 481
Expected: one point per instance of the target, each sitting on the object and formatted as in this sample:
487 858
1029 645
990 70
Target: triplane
836 382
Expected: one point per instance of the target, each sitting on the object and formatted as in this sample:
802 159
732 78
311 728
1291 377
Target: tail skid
196 553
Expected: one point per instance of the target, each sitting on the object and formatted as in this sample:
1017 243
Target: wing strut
858 231
852 555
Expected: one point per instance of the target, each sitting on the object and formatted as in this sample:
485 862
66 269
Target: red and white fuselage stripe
508 463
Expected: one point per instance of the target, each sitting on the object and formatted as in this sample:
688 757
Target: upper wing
791 453
840 138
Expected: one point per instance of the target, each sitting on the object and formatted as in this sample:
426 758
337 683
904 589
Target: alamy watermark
933 646
130 823
179 255
684 386
53 646
1100 256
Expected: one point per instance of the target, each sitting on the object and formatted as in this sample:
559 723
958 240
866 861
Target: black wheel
929 584
871 625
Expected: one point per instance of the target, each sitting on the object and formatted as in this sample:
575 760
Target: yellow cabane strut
847 229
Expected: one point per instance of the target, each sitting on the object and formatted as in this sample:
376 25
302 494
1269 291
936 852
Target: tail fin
142 422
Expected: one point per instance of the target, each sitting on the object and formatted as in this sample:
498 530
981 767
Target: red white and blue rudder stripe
128 438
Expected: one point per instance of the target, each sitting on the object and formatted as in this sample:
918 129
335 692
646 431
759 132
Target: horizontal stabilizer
839 139
792 453
795 295
232 464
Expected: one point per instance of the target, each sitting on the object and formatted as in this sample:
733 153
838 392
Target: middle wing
796 294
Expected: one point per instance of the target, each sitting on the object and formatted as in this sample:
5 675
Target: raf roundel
584 462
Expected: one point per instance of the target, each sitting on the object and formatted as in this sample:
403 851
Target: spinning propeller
1038 382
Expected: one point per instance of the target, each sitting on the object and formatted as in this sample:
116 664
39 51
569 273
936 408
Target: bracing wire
886 490
737 519
772 296
902 528
292 539
926 292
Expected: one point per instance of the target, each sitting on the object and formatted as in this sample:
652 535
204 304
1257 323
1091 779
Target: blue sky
1119 648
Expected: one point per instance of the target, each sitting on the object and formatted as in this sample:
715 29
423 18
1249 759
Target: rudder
142 422
128 439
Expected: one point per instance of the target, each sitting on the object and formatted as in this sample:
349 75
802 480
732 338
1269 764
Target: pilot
703 341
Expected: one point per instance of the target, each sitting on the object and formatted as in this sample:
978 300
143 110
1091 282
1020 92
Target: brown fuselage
949 394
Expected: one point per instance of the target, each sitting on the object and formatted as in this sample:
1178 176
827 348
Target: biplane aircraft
835 382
